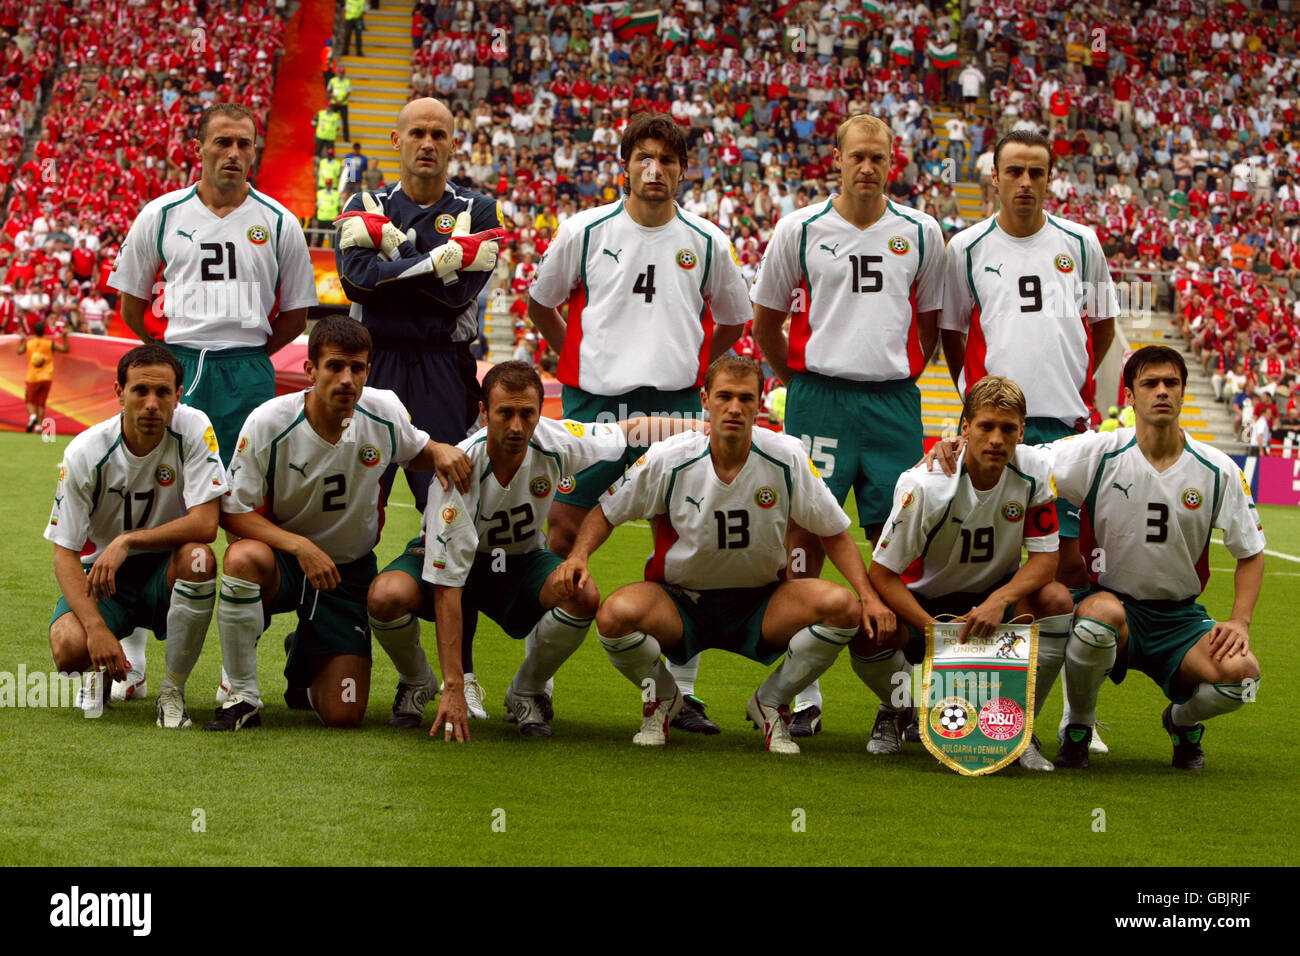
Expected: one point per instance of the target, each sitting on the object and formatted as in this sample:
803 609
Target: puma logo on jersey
213 461
613 255
694 502
301 469
120 492
188 235
58 500
442 541
997 272
831 249
1116 484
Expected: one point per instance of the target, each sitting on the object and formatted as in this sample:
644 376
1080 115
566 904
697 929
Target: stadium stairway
381 82
968 193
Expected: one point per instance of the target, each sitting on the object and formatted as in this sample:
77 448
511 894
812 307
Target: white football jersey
328 493
104 490
853 294
713 535
509 517
944 535
1153 528
1024 305
221 277
639 298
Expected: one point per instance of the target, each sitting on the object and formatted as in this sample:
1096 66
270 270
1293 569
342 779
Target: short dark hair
151 354
658 126
1153 355
231 110
344 333
1025 137
737 366
513 377
38 328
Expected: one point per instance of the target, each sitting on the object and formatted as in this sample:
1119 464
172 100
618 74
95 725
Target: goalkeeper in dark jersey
413 258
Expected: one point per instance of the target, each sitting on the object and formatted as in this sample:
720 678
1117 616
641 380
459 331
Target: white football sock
1089 657
1053 632
684 674
188 618
134 644
557 635
530 644
239 620
811 653
400 640
810 696
878 672
637 658
1209 700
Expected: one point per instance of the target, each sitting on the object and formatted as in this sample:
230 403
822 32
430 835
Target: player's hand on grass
570 577
453 716
945 452
982 621
877 619
1229 638
452 467
370 229
105 652
100 582
317 566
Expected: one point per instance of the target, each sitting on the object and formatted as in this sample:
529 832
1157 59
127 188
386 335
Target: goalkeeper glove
465 251
370 229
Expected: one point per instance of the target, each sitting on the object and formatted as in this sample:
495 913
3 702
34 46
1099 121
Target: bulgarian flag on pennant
902 49
943 56
873 11
628 24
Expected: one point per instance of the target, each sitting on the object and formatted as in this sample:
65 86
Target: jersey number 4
645 284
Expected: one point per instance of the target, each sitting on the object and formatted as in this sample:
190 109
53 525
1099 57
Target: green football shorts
142 599
726 619
580 406
227 384
1040 431
329 622
509 592
860 435
1160 633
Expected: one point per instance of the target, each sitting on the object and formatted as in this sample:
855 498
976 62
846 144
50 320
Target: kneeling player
952 546
142 488
722 505
1152 495
485 551
305 503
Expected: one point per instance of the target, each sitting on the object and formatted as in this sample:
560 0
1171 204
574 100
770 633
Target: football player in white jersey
952 546
654 293
136 508
230 270
1024 276
862 280
305 503
485 551
1151 496
722 506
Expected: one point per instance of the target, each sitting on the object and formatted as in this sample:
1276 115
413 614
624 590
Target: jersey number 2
336 486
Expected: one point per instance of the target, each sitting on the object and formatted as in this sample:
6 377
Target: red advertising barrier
82 393
1279 481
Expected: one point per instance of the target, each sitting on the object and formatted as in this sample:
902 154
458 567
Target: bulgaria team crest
1013 511
1193 499
566 485
1063 264
258 235
686 258
898 245
445 223
765 497
368 455
164 475
540 487
978 701
448 515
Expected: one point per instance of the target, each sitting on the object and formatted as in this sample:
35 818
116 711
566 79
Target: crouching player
485 551
952 545
143 490
305 503
1152 496
722 504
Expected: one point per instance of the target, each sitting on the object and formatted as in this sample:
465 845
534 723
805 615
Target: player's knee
248 560
67 645
841 608
559 538
195 562
583 604
1236 669
1054 599
390 596
615 616
340 715
1105 608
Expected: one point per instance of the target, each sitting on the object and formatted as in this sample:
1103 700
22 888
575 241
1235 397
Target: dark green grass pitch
295 793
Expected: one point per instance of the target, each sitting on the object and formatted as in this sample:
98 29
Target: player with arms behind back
722 505
952 545
862 280
654 293
305 503
1152 495
135 511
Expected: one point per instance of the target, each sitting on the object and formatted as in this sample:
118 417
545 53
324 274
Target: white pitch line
1275 554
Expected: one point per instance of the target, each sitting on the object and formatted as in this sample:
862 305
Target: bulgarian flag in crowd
782 9
874 11
628 23
853 18
730 36
943 56
902 49
674 36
